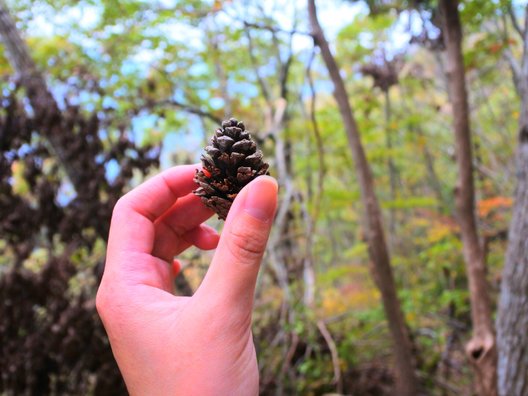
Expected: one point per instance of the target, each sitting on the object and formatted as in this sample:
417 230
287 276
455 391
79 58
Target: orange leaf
486 206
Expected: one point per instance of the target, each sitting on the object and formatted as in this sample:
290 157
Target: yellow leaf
20 185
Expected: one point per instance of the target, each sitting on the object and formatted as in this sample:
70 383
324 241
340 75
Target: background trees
512 311
96 95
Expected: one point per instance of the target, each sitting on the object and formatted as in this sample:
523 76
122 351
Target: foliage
143 84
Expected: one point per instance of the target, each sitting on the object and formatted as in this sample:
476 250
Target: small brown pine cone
230 162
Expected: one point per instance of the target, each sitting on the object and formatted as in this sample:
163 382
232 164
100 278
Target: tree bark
406 381
512 317
481 349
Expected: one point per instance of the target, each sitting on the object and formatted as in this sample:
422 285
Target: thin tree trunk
512 318
220 70
393 172
481 349
433 177
321 171
309 292
406 383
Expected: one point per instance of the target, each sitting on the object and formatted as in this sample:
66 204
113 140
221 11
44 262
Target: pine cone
229 163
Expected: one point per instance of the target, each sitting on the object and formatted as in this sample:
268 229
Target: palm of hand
166 344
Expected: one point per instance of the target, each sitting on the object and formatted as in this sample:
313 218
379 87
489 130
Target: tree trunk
391 167
406 381
481 349
512 317
512 320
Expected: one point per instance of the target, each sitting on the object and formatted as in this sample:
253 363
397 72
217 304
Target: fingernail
261 198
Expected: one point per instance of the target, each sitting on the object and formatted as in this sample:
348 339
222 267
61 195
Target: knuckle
246 245
100 302
120 205
121 209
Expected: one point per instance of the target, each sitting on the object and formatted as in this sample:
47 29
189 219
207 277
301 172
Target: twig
188 108
515 21
262 84
173 102
273 29
317 134
338 380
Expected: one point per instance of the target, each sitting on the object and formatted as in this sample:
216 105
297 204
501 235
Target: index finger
132 227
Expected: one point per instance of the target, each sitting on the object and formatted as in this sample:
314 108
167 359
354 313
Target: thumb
232 275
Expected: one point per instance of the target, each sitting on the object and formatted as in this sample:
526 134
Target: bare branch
317 134
262 84
274 29
194 110
515 21
309 292
186 107
173 102
338 380
514 64
220 71
285 68
525 45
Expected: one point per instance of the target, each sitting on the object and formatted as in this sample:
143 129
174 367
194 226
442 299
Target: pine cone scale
230 162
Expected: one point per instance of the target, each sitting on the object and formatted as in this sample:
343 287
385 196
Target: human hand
170 345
